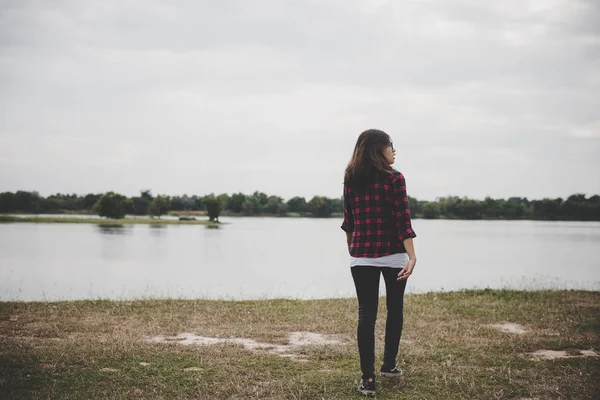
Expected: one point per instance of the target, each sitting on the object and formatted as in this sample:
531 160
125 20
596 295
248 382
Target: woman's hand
407 270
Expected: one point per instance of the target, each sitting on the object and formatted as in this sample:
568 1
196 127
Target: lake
300 258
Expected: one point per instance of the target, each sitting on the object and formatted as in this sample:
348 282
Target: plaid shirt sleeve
348 224
401 209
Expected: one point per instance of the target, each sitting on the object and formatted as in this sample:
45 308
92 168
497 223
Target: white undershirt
397 260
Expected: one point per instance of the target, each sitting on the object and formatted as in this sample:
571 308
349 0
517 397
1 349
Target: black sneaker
367 388
385 371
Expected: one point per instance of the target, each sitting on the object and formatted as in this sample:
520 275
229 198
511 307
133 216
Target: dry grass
93 349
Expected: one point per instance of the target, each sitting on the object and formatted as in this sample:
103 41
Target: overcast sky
481 98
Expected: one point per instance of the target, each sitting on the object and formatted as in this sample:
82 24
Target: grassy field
102 221
449 350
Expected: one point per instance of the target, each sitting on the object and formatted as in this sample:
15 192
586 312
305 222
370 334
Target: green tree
6 202
262 199
297 205
336 205
141 204
449 206
59 202
213 207
89 200
28 202
275 205
177 203
113 205
159 206
319 207
235 202
413 206
183 203
575 207
515 208
491 208
198 203
470 209
430 210
251 206
593 208
546 209
53 204
224 199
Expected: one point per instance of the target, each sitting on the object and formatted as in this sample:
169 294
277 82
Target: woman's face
389 153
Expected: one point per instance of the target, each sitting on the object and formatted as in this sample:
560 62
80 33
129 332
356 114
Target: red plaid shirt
378 217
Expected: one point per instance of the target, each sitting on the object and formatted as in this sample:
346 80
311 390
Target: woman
380 241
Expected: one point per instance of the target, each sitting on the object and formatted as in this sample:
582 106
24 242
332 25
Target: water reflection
113 229
158 229
249 258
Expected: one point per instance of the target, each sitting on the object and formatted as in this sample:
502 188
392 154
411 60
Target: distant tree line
115 205
575 207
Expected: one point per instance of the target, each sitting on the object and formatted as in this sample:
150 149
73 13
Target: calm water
294 258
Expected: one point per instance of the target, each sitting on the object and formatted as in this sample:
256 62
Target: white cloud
482 98
591 131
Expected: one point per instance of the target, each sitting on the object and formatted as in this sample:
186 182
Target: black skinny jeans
366 281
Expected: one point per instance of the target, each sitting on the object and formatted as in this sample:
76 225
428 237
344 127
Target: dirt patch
296 340
510 327
559 354
109 370
548 332
312 339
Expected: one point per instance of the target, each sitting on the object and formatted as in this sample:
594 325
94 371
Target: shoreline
287 215
105 300
103 221
225 300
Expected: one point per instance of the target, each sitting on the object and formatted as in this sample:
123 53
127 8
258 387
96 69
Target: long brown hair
367 160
